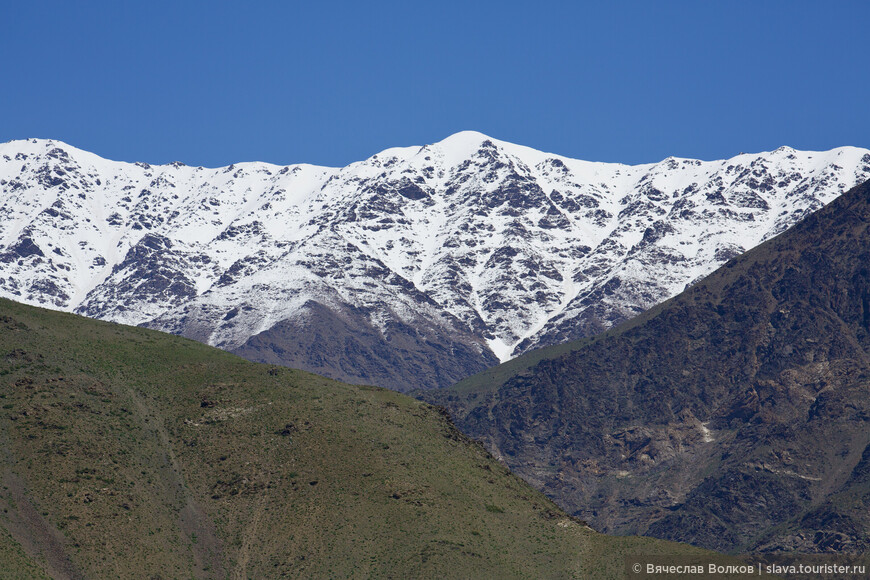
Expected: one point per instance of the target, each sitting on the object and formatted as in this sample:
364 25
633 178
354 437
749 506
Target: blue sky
211 83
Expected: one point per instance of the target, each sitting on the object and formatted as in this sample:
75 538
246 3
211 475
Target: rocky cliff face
414 268
735 416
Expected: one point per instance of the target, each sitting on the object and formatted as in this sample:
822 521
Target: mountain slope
450 256
735 416
128 453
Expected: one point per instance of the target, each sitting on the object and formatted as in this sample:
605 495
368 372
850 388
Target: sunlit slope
131 453
414 268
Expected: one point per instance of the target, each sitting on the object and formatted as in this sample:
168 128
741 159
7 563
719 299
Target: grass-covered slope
128 453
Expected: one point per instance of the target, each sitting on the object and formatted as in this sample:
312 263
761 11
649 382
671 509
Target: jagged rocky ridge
414 268
735 416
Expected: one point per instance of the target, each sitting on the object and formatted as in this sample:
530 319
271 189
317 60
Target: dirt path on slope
193 521
250 535
40 540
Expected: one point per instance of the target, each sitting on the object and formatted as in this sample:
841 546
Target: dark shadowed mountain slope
734 416
129 453
344 345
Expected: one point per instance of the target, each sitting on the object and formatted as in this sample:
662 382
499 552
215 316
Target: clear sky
211 83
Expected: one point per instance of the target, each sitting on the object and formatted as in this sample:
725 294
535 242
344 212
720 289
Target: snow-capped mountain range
410 269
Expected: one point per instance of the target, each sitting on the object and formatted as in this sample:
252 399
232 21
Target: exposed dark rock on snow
471 240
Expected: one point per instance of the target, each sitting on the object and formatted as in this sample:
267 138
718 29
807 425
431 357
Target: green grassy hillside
128 453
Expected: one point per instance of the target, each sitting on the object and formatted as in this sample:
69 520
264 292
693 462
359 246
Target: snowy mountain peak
476 245
463 143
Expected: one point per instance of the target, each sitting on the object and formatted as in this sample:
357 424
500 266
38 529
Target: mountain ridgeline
129 453
735 416
412 269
